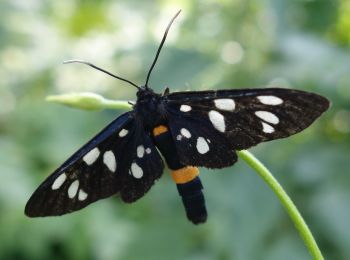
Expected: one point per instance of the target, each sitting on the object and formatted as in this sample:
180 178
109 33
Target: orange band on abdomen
185 174
159 130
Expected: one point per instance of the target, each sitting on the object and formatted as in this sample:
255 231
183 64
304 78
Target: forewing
240 118
98 170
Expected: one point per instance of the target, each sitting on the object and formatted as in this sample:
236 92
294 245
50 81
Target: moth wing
98 170
145 166
197 144
237 119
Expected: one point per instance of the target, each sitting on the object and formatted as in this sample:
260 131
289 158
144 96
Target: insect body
189 129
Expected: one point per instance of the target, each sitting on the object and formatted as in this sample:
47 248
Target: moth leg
186 178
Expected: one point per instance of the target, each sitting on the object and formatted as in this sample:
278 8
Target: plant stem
116 104
88 101
288 204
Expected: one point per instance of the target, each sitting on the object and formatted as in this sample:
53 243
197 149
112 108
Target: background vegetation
302 44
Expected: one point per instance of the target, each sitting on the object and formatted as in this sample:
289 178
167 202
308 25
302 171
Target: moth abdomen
186 178
190 189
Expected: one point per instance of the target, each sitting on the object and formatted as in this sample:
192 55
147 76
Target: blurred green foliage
302 44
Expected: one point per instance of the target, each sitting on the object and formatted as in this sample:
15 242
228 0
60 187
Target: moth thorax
148 107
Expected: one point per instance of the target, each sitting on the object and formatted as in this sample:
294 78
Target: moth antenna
160 47
98 68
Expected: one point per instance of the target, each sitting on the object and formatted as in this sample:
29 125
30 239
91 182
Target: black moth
189 129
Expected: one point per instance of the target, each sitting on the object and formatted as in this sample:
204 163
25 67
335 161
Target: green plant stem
249 158
116 104
288 204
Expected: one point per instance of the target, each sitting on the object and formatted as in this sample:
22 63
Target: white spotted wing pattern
100 169
236 119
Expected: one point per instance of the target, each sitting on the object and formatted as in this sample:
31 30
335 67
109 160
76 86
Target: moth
187 130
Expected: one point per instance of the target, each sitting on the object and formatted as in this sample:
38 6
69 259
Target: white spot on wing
140 151
270 100
148 150
73 188
109 160
225 104
179 137
91 156
267 128
136 171
202 145
185 133
123 133
217 120
185 108
82 195
268 117
59 181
